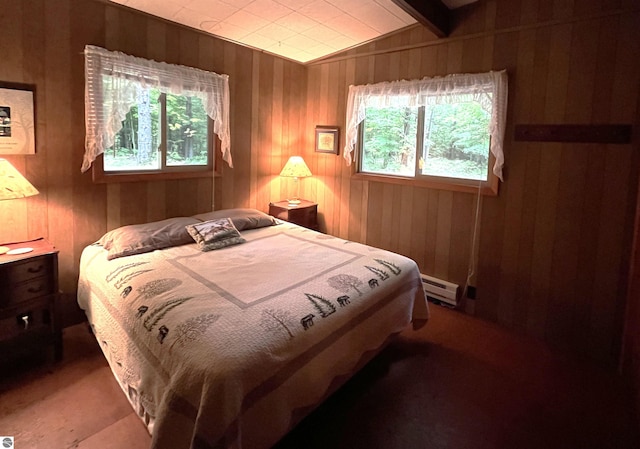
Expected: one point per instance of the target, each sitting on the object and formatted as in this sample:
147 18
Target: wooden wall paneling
508 14
33 74
242 71
613 237
612 243
462 221
265 92
156 200
328 207
89 200
405 228
419 232
429 61
563 9
443 234
375 209
338 76
384 226
345 196
277 157
58 104
255 127
522 95
431 230
322 187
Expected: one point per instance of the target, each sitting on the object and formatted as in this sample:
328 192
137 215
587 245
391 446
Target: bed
230 345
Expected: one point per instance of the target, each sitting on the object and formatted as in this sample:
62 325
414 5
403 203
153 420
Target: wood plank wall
44 46
554 245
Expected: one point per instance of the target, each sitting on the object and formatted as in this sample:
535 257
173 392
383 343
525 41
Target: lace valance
112 80
489 89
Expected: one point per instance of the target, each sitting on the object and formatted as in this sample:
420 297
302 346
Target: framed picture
16 120
327 139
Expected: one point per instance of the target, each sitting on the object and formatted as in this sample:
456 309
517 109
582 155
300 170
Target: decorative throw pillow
215 234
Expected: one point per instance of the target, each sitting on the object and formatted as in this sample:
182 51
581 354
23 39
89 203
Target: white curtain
112 80
489 89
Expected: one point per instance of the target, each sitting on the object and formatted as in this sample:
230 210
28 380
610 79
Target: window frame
213 168
489 187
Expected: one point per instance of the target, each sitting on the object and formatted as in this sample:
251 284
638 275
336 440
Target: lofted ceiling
301 30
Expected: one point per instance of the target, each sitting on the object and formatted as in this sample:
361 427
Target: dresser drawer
29 269
26 319
28 290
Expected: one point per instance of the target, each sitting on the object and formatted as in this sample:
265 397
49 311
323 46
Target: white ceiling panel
302 30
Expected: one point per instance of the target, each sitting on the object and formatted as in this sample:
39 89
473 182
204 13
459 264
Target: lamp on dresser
295 168
13 186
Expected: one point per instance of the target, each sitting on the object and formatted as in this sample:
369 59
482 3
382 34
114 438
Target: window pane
187 129
456 141
136 144
389 141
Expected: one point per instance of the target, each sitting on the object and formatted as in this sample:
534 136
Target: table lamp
295 168
12 186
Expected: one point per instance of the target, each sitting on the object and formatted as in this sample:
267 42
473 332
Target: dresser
303 214
29 300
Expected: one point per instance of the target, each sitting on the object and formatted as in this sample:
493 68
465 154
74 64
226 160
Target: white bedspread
218 349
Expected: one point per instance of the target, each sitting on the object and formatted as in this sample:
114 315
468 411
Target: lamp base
294 202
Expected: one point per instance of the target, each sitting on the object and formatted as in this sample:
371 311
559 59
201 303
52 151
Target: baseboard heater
439 291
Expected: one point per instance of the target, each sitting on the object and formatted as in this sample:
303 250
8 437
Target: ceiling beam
433 14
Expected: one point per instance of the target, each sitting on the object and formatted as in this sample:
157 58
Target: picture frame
327 139
17 119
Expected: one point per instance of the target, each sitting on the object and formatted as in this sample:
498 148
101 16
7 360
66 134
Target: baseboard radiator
440 292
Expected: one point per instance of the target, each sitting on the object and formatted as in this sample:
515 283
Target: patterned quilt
220 349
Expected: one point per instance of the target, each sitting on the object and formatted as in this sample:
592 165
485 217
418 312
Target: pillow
243 219
215 234
145 237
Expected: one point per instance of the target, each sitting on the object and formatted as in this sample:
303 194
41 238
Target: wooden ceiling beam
433 14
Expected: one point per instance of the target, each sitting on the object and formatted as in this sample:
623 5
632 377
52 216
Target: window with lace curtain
146 119
444 132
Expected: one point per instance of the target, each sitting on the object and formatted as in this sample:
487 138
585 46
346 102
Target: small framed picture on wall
327 139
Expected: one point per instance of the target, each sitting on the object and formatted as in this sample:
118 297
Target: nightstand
29 300
304 214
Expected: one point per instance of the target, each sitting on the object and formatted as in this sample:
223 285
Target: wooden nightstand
29 300
304 214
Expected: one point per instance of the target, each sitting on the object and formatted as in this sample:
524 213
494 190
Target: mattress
222 349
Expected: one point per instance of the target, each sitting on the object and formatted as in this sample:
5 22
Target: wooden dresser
29 300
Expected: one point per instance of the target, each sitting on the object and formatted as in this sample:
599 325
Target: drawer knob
25 320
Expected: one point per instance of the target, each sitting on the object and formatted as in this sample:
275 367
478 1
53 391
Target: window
150 118
143 144
440 132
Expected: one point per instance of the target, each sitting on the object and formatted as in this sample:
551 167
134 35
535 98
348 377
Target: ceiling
301 30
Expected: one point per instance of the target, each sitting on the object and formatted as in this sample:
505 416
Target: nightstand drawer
27 290
27 319
29 269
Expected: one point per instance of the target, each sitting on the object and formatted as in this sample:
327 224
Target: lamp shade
12 184
295 168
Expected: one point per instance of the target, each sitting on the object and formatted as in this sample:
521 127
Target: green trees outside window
445 140
143 145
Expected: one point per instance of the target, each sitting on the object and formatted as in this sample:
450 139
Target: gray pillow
243 218
145 237
215 234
